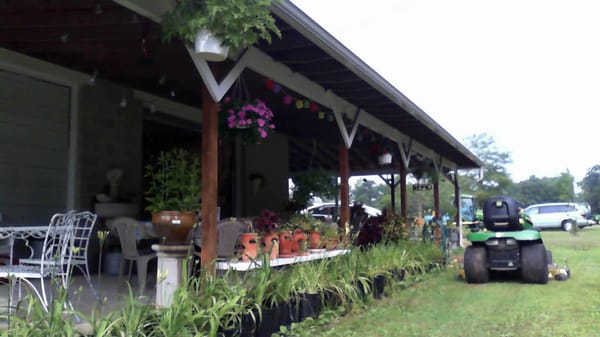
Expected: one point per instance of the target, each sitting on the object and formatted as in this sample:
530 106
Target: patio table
23 232
245 266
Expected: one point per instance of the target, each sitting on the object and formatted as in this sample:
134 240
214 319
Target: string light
93 77
300 103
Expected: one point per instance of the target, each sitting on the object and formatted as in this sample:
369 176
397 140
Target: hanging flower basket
252 121
385 158
210 47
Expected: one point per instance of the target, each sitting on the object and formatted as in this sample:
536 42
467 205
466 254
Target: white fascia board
26 65
169 107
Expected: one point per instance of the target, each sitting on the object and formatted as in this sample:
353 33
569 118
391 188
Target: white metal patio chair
127 231
58 247
83 225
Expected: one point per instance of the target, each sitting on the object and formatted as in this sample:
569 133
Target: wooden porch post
344 188
436 197
403 202
210 156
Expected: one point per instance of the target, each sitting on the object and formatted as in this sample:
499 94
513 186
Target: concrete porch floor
112 293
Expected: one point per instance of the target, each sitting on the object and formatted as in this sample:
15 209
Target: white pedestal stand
169 273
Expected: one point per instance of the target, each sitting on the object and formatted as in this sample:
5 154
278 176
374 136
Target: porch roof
108 39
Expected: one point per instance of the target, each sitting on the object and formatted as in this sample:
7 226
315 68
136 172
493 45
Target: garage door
34 130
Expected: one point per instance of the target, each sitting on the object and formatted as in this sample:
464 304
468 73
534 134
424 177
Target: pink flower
261 122
262 132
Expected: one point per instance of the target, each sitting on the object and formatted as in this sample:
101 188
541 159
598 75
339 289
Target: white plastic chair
57 251
127 231
83 224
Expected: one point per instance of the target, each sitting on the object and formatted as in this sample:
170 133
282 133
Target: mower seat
501 214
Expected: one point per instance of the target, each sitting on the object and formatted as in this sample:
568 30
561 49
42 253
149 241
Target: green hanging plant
238 23
312 183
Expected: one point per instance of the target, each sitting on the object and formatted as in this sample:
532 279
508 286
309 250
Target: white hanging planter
385 158
210 47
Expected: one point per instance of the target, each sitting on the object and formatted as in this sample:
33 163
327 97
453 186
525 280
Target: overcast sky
526 72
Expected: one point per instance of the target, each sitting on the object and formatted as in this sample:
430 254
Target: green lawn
442 305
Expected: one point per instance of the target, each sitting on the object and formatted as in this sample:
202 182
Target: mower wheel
549 257
476 265
534 264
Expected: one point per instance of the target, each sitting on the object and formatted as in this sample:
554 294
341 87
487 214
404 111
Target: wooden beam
403 200
344 187
210 167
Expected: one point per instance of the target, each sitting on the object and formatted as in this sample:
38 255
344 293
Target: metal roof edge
296 18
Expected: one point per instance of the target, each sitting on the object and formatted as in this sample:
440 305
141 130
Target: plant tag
176 221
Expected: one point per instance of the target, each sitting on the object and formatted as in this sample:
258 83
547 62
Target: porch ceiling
103 37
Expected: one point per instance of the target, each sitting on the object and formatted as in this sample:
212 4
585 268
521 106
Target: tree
590 187
496 180
368 192
548 189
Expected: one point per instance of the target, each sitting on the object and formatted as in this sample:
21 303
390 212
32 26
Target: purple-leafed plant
268 221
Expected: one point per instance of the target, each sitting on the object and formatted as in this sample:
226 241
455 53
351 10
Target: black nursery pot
269 322
248 326
379 286
285 313
309 305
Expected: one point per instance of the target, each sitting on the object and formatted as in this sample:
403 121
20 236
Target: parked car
562 215
585 209
329 212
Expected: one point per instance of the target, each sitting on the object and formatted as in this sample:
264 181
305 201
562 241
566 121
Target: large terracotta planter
314 240
286 242
173 227
300 245
248 245
269 243
331 243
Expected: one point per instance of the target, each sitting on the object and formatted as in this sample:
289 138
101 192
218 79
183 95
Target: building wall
34 144
110 137
265 175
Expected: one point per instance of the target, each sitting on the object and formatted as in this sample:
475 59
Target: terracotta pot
314 240
331 243
269 243
286 241
248 244
173 227
300 245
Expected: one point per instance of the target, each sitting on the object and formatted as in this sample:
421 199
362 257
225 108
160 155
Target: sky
526 72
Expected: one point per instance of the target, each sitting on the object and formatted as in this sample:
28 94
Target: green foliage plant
238 23
312 183
173 182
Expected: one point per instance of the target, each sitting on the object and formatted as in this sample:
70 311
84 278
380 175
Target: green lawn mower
507 242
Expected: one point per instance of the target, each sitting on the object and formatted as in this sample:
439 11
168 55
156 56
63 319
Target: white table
244 266
25 232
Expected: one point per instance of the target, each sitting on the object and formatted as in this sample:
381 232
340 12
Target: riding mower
507 242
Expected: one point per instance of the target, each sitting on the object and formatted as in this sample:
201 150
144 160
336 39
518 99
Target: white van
563 215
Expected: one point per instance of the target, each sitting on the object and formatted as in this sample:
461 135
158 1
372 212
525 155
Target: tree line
496 181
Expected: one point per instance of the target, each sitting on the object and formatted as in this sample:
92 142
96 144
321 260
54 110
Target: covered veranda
109 52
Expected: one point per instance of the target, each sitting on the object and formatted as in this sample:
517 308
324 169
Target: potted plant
251 120
312 183
173 194
236 24
384 149
330 236
286 240
267 224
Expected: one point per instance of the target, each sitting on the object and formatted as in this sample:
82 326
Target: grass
443 305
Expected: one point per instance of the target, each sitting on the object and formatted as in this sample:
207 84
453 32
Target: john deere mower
507 242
